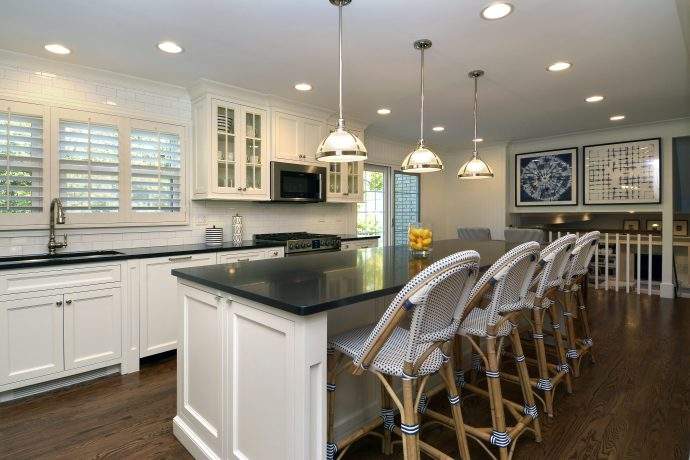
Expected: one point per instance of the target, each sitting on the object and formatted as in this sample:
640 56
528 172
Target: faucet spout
57 213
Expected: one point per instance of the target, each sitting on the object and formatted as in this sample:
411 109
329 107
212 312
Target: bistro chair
544 291
474 233
573 301
435 299
506 283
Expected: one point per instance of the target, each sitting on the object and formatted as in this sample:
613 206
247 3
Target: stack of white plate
214 236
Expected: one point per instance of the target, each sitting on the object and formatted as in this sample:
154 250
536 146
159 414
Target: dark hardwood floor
633 404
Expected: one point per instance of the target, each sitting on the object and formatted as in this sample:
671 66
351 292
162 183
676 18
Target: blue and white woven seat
476 324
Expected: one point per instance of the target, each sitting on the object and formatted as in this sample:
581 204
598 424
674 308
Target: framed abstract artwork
547 178
623 172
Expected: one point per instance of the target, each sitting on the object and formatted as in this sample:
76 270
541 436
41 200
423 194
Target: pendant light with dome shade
422 160
341 146
476 168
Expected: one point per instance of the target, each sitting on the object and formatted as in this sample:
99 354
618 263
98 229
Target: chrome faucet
60 218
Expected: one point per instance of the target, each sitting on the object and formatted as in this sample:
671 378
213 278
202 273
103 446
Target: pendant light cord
474 139
421 110
340 70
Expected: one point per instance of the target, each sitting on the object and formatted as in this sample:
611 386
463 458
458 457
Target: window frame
37 218
158 217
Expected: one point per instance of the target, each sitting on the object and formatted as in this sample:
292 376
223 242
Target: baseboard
667 291
195 446
50 385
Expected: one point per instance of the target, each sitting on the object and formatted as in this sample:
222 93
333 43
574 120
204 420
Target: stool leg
457 359
386 408
572 353
499 437
332 362
455 401
560 349
544 382
409 422
585 322
528 397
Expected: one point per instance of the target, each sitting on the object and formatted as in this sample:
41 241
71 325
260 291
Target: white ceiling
632 51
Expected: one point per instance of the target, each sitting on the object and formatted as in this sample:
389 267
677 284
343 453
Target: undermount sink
61 255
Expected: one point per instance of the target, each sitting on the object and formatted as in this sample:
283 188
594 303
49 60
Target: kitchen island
251 375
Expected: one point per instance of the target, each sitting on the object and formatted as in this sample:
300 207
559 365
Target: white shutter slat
21 163
89 167
156 162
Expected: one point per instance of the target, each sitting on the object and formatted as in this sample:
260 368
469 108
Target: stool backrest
474 234
523 235
553 261
582 255
436 298
508 280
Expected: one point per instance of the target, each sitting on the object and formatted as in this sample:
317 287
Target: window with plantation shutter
89 167
21 163
156 166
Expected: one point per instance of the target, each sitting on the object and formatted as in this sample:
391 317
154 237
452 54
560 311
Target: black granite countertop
305 285
78 257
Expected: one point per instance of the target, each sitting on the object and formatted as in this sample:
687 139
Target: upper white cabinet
345 182
296 138
231 153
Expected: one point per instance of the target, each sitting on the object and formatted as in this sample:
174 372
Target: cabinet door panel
92 327
225 172
312 135
255 155
158 318
30 338
287 136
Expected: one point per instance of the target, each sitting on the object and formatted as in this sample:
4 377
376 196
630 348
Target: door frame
419 198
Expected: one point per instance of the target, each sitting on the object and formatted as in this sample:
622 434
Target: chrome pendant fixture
475 168
422 160
341 145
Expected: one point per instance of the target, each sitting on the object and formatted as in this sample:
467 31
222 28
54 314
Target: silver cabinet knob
59 303
69 302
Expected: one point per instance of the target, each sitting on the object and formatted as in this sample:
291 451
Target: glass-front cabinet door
253 127
335 181
354 180
226 171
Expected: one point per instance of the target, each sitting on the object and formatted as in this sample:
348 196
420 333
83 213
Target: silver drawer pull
178 259
243 260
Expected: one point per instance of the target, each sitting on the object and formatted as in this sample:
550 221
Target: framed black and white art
623 172
547 178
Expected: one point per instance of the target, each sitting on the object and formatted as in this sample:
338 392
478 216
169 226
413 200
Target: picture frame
631 225
627 172
654 226
547 178
680 228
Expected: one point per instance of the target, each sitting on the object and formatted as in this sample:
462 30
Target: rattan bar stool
541 300
573 301
505 283
435 299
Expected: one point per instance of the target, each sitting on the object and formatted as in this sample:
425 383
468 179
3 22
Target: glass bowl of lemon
420 239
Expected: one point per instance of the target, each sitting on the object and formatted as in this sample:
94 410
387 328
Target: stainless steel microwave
296 182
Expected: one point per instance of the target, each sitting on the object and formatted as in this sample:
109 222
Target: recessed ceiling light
109 102
303 87
594 98
497 10
479 139
438 129
57 48
170 47
383 111
559 66
617 117
45 74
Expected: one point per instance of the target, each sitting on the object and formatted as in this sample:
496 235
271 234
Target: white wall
90 89
449 203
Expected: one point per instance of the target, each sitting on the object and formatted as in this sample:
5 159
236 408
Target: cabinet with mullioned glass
345 180
231 151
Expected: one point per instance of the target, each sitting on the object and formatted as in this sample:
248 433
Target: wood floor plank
633 404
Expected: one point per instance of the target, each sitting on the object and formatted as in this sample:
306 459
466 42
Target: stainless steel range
301 242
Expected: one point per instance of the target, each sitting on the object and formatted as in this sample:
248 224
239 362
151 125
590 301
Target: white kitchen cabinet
345 182
231 152
158 296
295 138
92 325
359 244
249 255
32 338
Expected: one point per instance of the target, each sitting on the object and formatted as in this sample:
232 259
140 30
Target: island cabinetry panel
158 318
231 151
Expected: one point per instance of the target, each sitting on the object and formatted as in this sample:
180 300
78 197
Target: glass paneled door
406 200
372 212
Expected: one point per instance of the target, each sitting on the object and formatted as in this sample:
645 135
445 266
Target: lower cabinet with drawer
229 257
59 332
359 244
